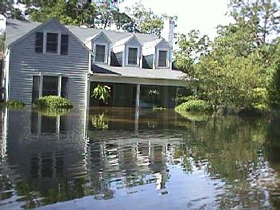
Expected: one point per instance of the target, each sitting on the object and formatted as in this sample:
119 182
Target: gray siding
25 62
133 42
101 39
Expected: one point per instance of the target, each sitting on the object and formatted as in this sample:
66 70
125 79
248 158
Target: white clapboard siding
25 62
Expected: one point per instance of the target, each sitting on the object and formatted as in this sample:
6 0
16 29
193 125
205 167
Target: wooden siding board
25 63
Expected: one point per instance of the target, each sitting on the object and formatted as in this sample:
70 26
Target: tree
144 20
261 15
191 47
237 68
6 6
70 12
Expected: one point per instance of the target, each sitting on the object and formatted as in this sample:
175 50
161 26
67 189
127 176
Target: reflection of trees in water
232 150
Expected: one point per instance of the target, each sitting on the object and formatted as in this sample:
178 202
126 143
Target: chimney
168 30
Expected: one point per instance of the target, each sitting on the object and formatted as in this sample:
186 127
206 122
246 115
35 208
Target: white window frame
41 75
106 51
138 55
59 33
167 58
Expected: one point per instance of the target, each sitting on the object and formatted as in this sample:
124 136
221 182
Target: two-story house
53 59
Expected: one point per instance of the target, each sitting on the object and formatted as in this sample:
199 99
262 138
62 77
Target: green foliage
15 104
52 112
53 102
191 47
158 108
274 88
194 105
182 99
260 99
144 20
236 69
70 12
100 121
102 93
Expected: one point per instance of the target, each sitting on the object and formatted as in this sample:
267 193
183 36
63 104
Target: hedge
53 102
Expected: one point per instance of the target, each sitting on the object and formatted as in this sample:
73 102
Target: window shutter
39 42
64 44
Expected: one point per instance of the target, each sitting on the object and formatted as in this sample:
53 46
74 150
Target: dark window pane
64 87
35 89
132 56
100 53
64 45
39 42
162 56
52 42
50 85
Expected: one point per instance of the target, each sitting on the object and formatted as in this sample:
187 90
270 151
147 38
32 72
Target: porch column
41 86
59 85
137 105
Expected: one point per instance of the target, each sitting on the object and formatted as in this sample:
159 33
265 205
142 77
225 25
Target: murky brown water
112 159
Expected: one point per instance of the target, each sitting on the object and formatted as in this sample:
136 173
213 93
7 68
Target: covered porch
140 88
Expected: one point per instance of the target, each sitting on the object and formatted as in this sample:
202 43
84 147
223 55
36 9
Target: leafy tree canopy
239 65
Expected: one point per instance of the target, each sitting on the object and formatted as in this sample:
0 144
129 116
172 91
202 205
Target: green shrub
53 102
15 104
194 105
182 99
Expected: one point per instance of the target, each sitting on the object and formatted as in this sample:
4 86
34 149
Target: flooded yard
116 159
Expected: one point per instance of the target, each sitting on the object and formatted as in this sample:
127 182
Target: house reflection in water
64 157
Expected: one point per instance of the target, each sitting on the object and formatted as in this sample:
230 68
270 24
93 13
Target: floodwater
116 159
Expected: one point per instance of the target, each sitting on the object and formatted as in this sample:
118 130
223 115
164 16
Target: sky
203 15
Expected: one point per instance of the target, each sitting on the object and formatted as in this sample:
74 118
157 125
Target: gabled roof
126 40
16 29
101 33
155 43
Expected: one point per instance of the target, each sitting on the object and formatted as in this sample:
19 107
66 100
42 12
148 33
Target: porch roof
136 75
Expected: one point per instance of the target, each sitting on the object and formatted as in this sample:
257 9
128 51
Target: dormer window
162 58
100 53
132 56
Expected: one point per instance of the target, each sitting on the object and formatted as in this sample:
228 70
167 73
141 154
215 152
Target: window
162 56
50 86
52 43
64 44
132 56
100 53
39 42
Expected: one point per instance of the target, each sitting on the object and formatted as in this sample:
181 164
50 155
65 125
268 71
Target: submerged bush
15 104
53 102
194 105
